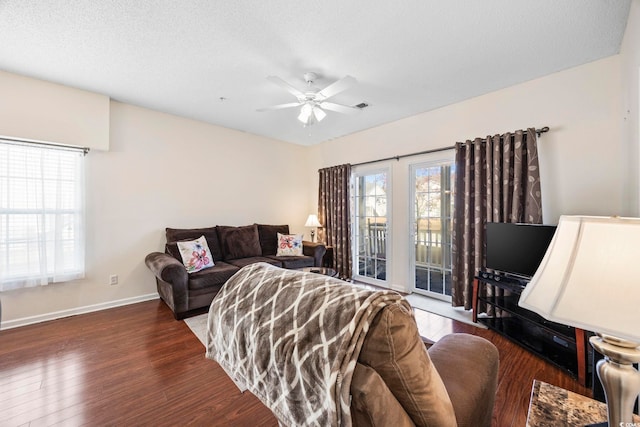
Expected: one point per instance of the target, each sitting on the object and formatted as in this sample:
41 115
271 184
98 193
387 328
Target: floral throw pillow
195 254
289 245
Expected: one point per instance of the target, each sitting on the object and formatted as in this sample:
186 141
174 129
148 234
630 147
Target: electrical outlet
113 279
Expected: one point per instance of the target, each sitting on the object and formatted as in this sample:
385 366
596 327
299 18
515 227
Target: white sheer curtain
41 215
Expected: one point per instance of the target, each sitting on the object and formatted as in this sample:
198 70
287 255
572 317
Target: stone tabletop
552 406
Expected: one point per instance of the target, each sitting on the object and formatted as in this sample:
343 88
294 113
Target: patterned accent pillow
289 245
195 254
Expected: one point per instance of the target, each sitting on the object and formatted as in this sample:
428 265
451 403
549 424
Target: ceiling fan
314 101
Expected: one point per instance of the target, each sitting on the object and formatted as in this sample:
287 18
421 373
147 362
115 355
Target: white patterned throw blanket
292 339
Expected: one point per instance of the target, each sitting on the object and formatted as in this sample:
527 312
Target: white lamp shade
590 276
319 113
305 113
311 113
312 221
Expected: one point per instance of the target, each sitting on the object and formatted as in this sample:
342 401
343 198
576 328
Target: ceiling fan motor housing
310 77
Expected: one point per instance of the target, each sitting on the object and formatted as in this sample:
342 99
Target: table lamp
589 278
312 221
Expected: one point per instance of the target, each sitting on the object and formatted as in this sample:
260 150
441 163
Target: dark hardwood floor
136 365
518 369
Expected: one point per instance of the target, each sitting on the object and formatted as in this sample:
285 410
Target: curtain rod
85 150
435 150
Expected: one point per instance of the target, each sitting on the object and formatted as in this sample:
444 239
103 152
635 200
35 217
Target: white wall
582 158
630 54
166 171
43 111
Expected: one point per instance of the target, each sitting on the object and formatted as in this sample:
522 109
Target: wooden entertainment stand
564 346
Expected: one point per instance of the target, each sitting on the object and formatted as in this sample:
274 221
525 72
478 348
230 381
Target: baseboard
399 288
24 321
442 308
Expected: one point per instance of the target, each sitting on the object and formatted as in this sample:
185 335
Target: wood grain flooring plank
137 365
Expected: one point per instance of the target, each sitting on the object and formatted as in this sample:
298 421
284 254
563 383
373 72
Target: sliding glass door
431 222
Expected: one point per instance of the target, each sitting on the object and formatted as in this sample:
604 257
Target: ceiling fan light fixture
314 102
311 114
305 114
319 113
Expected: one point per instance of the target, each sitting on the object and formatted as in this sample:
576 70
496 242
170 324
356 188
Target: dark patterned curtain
497 180
334 215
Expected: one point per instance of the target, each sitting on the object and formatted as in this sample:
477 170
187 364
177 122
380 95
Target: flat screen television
517 249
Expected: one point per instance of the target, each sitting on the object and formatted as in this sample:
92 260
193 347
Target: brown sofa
397 383
231 248
356 357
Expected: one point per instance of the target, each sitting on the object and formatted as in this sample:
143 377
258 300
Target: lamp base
313 236
620 380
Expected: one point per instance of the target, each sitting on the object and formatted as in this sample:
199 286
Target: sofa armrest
167 268
468 366
314 249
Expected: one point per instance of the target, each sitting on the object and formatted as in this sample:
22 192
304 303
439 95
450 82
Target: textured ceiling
209 60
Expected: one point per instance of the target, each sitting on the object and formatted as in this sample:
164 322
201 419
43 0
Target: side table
327 260
552 406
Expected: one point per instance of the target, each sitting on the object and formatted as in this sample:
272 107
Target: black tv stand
517 283
562 345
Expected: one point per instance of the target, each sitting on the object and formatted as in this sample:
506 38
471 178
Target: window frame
63 224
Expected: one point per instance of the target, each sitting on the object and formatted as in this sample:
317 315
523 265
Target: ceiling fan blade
339 108
335 88
292 90
279 106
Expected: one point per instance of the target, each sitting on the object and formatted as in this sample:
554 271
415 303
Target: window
371 219
41 214
432 227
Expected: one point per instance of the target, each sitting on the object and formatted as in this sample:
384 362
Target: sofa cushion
289 245
212 277
269 237
393 348
241 262
180 234
239 242
195 254
372 404
294 261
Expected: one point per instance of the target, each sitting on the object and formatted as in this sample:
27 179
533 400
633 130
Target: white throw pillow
195 254
289 245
